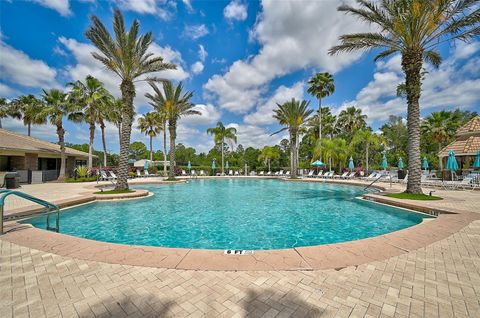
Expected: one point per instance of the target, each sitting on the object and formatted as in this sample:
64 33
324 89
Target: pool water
236 214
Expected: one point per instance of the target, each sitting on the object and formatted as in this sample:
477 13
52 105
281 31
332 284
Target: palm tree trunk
319 119
223 143
440 161
1 123
165 148
366 157
171 130
412 66
61 142
104 143
29 125
128 93
268 161
151 148
90 144
293 164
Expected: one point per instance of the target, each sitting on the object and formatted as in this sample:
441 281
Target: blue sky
240 58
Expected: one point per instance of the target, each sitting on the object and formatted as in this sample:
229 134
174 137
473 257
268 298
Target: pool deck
431 269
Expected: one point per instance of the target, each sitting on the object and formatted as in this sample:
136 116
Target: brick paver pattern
440 280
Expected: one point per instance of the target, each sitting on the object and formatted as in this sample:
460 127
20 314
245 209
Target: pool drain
238 252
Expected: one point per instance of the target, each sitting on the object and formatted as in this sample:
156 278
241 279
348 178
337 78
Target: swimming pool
236 214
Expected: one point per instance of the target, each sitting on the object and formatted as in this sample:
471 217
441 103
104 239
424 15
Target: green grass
171 179
410 196
85 179
115 191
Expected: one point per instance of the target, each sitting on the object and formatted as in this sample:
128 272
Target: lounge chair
236 173
147 174
193 173
287 173
269 173
139 175
351 175
184 173
327 175
276 173
113 175
261 173
280 173
310 174
104 176
341 176
230 172
202 173
320 174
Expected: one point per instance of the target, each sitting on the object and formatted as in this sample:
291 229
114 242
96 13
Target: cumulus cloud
61 6
19 68
254 136
46 132
161 8
197 67
235 10
195 32
263 114
289 42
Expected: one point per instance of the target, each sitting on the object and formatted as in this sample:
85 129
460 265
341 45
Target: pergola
466 144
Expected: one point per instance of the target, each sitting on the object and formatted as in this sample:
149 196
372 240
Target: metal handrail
51 208
373 182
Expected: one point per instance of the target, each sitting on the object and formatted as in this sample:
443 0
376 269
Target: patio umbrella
476 163
425 163
384 162
213 166
226 165
131 161
351 166
400 164
146 165
189 166
318 163
452 164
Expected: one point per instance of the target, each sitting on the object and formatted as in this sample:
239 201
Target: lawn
410 196
115 191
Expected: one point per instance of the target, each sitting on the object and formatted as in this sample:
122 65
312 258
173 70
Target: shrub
132 174
82 171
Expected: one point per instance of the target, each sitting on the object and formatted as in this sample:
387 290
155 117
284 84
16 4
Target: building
154 163
466 144
36 160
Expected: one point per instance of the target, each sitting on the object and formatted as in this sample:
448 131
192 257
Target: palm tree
269 154
221 134
342 150
329 123
4 109
29 109
321 85
366 138
57 107
293 115
175 104
415 29
90 96
160 111
149 124
127 56
351 120
325 148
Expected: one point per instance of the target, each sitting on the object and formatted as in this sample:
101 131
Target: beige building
36 160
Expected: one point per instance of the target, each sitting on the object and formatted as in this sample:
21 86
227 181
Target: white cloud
202 53
254 136
161 8
210 115
293 35
45 132
61 6
188 6
197 67
195 31
263 114
17 67
235 10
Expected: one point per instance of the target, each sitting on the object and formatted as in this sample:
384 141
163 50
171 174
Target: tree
4 109
57 107
149 124
222 134
137 150
321 85
293 115
396 137
269 154
368 140
351 120
326 147
128 57
29 109
90 96
175 104
415 29
158 105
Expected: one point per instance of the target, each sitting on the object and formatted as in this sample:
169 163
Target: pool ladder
50 209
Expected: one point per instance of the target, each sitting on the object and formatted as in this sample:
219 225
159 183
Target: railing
50 208
364 189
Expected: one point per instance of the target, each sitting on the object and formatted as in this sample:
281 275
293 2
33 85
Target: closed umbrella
226 165
189 166
384 162
425 163
213 166
400 164
476 163
146 165
351 166
452 164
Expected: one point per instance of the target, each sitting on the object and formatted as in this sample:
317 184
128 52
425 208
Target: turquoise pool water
236 214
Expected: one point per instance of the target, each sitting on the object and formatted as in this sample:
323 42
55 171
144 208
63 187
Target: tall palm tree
369 140
90 96
4 109
342 150
29 109
329 123
351 120
149 124
160 111
321 85
269 154
175 104
127 56
415 29
293 115
223 134
327 149
57 107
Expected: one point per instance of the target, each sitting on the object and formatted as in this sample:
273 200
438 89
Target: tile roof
465 146
472 126
13 141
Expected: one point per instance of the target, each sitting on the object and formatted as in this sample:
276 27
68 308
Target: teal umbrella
318 163
213 166
189 166
400 164
425 163
226 166
146 165
452 164
384 162
476 163
351 166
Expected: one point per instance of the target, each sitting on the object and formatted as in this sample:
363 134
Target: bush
85 179
82 171
132 174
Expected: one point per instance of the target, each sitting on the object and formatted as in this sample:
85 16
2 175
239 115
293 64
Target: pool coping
327 256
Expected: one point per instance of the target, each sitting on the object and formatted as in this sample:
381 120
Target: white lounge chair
202 173
236 173
261 173
287 173
193 173
113 175
351 175
320 174
230 172
184 173
147 174
139 175
280 173
310 174
341 176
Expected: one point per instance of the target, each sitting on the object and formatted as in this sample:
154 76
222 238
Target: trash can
401 174
12 180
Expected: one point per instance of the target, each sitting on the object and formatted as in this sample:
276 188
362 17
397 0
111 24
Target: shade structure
476 163
318 163
452 164
226 165
146 164
425 163
351 166
384 162
400 164
189 166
